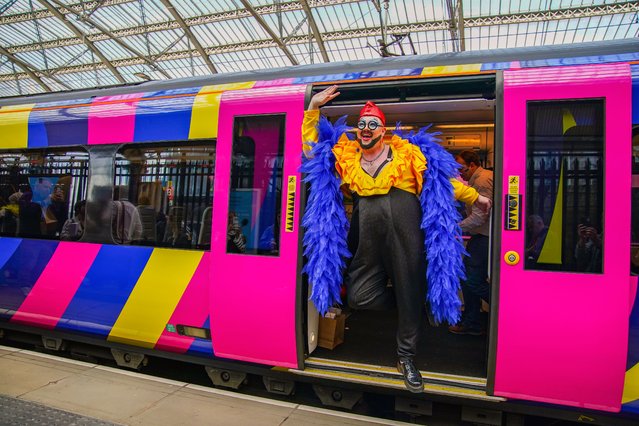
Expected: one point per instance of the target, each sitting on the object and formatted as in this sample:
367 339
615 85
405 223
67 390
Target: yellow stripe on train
452 69
154 297
206 109
15 125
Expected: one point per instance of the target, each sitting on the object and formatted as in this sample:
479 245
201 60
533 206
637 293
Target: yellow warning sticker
513 185
290 202
513 213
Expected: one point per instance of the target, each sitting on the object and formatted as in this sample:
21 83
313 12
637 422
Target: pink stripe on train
57 284
111 120
191 310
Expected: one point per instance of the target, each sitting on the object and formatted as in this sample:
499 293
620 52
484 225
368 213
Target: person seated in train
537 231
235 239
386 180
588 250
57 211
9 214
73 227
477 223
126 223
30 216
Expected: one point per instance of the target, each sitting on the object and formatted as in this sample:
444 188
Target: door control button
511 257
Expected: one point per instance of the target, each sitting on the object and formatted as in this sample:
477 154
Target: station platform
37 388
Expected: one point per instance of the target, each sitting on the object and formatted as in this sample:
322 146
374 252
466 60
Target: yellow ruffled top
405 171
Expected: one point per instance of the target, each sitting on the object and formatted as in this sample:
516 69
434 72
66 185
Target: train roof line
612 47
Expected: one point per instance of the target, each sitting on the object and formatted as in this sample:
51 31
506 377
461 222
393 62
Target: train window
40 190
564 186
256 185
163 195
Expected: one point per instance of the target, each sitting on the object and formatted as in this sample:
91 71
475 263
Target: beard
372 143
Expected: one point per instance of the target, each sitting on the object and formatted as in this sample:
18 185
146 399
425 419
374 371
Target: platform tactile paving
15 411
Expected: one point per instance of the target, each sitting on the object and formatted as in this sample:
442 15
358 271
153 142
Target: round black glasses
372 125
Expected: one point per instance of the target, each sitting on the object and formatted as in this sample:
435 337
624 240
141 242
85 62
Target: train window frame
238 244
581 221
55 223
194 191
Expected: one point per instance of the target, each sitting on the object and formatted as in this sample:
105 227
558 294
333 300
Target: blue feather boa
440 223
325 221
326 225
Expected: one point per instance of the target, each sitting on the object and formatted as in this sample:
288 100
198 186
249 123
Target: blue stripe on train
634 69
21 271
105 289
202 347
59 126
164 119
7 247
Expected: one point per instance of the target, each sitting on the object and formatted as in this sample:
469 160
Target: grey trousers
387 242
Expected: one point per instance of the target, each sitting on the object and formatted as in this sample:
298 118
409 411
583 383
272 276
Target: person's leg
366 277
407 266
475 287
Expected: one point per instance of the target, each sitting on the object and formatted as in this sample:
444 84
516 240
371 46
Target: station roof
57 45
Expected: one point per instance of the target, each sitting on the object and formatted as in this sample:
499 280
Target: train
164 219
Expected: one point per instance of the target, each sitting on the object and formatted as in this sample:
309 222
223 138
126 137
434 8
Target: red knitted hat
371 110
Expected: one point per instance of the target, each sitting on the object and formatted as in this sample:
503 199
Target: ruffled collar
405 155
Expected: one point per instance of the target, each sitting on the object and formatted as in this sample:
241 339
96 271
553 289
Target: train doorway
462 110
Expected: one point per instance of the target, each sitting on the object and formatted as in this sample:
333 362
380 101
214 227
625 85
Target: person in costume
386 229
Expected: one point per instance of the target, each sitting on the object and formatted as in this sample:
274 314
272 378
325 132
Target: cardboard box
331 331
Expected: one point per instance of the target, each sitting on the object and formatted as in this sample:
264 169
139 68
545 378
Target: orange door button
511 257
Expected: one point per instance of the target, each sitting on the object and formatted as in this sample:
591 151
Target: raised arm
311 115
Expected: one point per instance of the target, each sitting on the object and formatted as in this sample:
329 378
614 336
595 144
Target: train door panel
254 243
564 261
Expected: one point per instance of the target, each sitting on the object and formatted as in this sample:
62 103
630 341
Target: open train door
564 263
254 241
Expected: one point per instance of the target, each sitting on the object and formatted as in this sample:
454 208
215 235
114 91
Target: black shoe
412 377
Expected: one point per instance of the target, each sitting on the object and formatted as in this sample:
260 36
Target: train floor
369 338
37 388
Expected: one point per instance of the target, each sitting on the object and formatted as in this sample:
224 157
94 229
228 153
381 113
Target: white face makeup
370 130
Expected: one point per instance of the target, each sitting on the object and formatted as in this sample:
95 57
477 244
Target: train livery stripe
155 297
57 284
206 108
631 386
8 246
164 115
21 271
192 310
60 123
202 347
105 289
15 125
452 69
112 119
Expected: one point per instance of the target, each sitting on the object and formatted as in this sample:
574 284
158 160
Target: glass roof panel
235 40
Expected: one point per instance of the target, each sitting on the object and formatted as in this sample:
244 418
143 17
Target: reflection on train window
163 195
40 190
253 225
565 186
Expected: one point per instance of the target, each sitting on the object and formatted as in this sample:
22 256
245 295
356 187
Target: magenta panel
112 118
252 308
563 336
56 286
191 310
271 83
